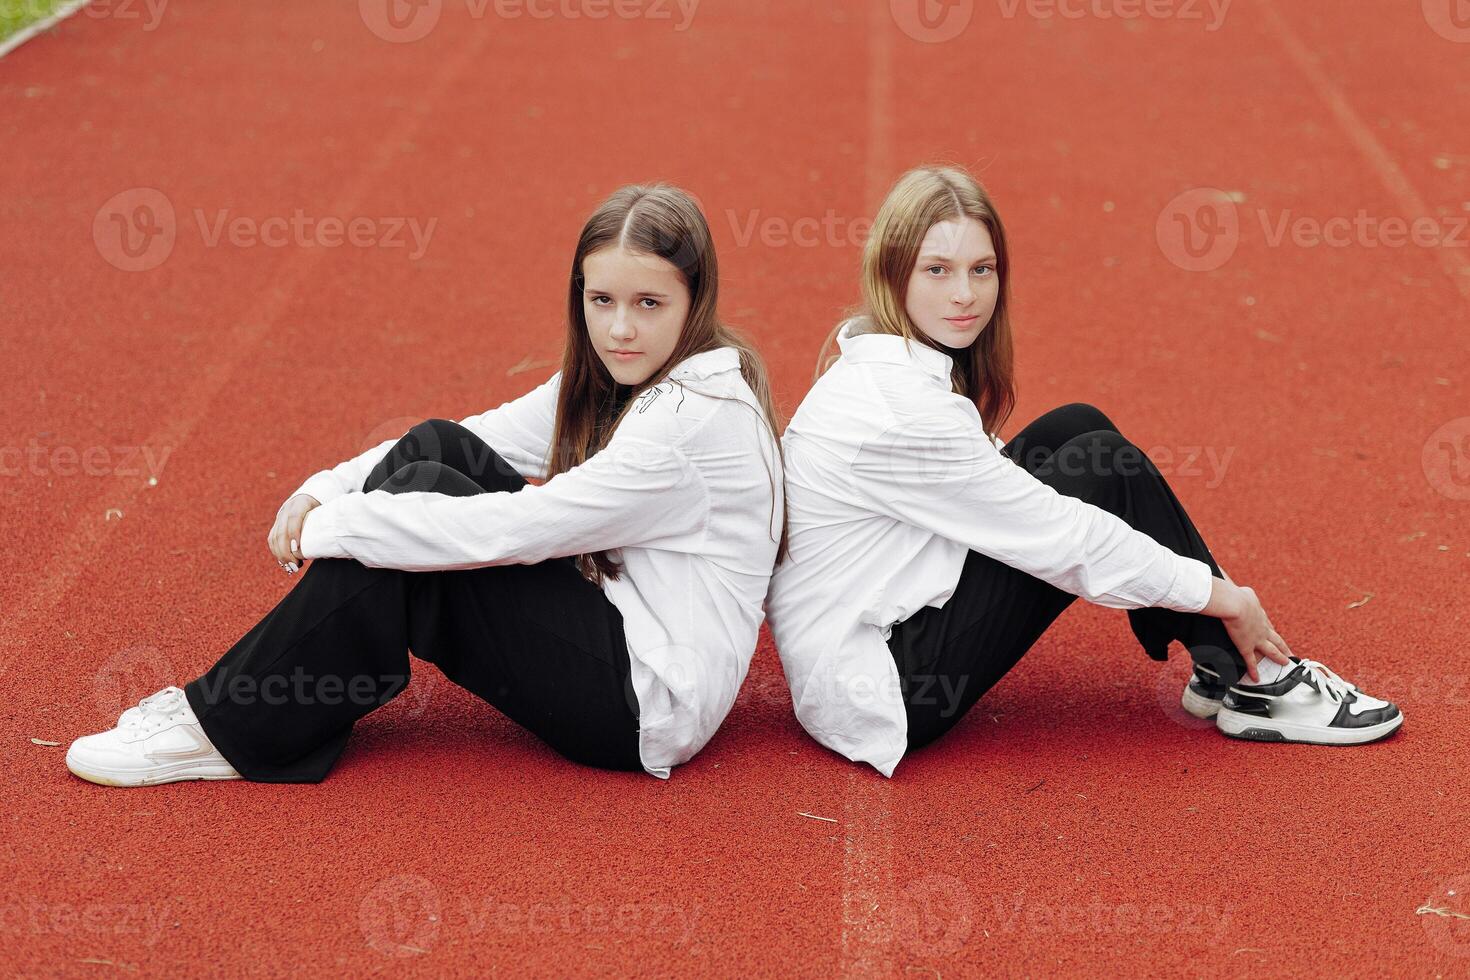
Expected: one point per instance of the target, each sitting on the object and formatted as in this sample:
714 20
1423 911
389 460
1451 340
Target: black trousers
539 642
949 656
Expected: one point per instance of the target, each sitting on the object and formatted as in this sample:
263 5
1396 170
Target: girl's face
635 306
953 286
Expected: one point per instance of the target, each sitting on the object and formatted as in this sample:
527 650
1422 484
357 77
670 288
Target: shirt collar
706 363
894 349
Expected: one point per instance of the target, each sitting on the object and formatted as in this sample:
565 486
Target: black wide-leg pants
539 642
949 656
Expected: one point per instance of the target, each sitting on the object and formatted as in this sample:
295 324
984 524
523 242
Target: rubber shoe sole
175 773
1199 705
1238 724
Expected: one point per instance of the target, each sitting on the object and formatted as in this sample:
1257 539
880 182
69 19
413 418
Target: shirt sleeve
519 430
939 472
635 492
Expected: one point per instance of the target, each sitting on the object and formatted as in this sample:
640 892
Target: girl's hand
284 540
1249 628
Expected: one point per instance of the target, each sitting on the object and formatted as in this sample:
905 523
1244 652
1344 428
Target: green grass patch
15 14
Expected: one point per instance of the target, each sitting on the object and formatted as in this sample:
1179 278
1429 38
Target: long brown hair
919 199
663 221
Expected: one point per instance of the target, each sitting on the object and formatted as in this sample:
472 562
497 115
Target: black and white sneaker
1204 692
1306 702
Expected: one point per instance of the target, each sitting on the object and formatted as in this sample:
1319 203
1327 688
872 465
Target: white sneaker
1203 693
1307 702
159 741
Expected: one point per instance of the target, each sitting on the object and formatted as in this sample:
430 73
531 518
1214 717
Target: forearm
1225 598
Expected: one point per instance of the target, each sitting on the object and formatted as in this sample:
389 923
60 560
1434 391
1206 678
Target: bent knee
422 475
1082 417
436 431
1101 457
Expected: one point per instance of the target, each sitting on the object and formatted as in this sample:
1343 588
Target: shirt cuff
1192 587
322 485
319 533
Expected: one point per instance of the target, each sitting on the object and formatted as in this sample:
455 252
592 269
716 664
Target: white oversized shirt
891 480
688 492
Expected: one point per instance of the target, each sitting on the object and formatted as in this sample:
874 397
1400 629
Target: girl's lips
963 321
625 355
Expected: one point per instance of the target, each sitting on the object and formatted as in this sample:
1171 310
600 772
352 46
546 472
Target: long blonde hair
663 221
919 199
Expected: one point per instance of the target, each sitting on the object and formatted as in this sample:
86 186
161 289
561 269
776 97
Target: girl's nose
622 328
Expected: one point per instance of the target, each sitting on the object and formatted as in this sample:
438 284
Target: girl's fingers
1274 652
278 546
1250 665
1276 638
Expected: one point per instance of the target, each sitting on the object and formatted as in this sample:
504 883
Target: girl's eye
652 303
598 300
987 270
935 270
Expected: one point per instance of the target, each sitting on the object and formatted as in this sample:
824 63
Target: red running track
1071 824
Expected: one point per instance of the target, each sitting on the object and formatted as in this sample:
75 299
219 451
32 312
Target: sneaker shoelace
155 706
1326 682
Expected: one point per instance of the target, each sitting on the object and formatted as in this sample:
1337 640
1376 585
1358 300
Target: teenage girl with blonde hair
926 556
